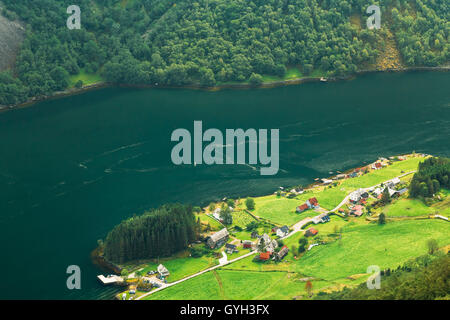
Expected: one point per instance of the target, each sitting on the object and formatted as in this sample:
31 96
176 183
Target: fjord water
72 168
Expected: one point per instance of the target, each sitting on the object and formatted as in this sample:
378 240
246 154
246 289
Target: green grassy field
277 209
232 285
87 78
352 244
205 219
281 210
407 208
182 267
363 245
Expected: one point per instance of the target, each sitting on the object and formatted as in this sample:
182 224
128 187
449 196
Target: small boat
322 79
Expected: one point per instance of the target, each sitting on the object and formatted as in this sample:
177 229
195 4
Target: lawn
281 210
407 208
277 209
378 176
203 287
244 285
205 219
87 78
387 246
182 267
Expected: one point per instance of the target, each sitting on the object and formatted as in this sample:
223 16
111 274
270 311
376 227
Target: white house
283 231
163 271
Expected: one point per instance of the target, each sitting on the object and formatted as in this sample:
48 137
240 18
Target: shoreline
99 260
264 85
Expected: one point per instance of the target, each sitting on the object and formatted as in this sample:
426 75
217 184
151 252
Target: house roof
230 246
313 201
264 255
285 229
219 235
162 269
378 165
303 207
312 231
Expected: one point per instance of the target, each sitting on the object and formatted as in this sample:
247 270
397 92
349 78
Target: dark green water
72 168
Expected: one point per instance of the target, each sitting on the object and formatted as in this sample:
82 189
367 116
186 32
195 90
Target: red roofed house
378 165
312 203
247 244
311 232
357 210
302 208
264 256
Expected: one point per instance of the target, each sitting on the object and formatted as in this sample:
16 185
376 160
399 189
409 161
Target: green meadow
343 262
87 78
386 245
348 246
281 210
182 267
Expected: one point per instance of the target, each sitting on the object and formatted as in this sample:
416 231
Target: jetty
110 279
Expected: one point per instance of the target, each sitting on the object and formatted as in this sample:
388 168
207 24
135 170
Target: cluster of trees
425 278
204 42
421 30
157 233
225 214
433 174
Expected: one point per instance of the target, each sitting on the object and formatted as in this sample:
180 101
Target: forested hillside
208 42
424 278
157 233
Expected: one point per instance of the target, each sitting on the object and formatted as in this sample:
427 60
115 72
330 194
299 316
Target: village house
296 190
354 174
283 231
321 218
356 210
340 176
247 244
392 183
357 195
377 166
264 256
282 253
302 208
378 191
311 232
267 244
400 192
312 203
162 271
218 239
230 248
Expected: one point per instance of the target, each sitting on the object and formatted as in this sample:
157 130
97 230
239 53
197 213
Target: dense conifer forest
433 174
209 42
157 233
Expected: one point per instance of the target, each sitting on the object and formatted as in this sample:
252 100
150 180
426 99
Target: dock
109 279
